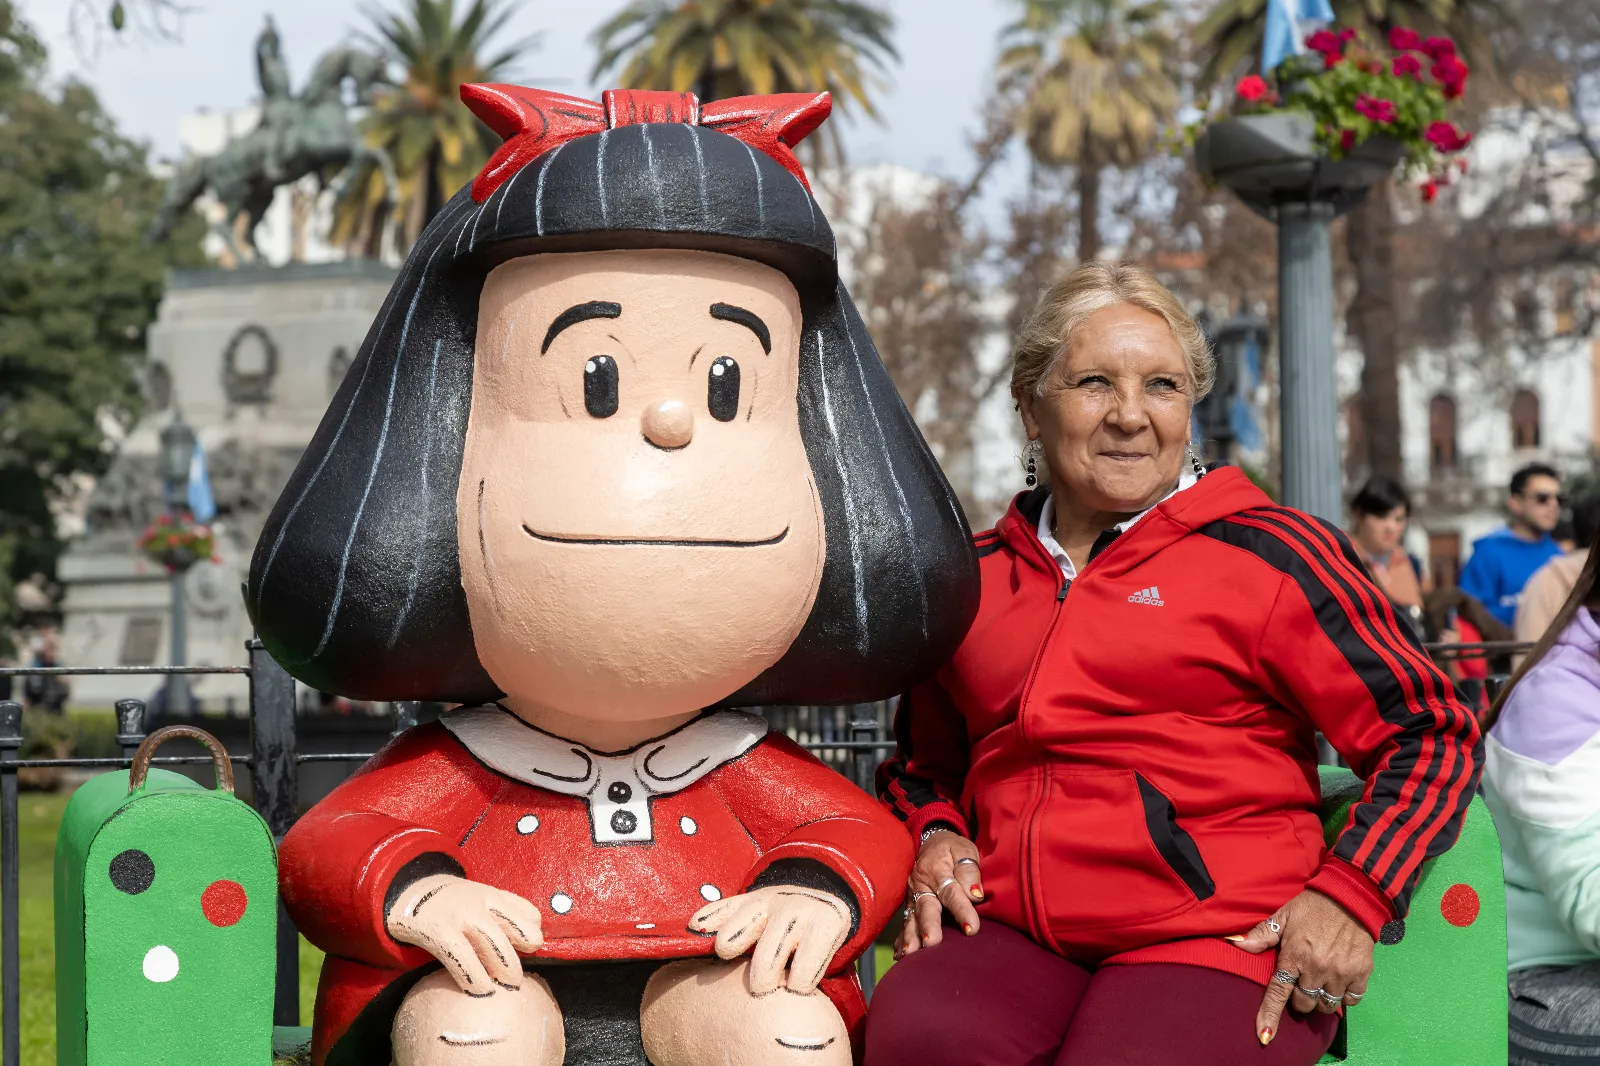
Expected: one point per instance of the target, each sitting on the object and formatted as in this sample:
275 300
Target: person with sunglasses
1503 561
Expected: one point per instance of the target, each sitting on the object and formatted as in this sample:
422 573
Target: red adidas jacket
1134 752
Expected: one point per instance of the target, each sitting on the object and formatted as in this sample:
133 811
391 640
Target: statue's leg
440 1025
701 1013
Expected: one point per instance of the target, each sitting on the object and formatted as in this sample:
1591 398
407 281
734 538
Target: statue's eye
722 389
600 386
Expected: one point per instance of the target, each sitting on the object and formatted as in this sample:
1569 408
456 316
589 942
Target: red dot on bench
1459 905
224 902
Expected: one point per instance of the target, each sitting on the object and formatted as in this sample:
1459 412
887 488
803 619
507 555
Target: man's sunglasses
1543 498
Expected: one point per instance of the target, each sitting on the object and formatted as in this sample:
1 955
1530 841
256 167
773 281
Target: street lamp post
1272 164
177 452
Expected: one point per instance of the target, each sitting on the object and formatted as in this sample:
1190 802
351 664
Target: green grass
39 817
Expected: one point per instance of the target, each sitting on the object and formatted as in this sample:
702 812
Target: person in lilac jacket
1542 783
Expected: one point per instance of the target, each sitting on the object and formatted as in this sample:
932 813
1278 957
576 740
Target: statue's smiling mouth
659 542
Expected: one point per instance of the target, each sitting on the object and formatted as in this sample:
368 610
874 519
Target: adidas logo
1150 597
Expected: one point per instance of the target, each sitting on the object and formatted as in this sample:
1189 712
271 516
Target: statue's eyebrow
582 313
748 319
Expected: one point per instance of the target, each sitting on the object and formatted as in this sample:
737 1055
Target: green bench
1438 994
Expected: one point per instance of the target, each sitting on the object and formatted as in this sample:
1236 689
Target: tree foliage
435 142
1094 84
77 291
722 48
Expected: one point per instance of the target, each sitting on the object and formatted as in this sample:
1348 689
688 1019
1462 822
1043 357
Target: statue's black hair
355 585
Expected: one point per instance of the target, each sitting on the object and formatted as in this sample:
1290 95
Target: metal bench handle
147 751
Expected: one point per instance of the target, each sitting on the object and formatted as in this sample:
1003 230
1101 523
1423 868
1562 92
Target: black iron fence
851 739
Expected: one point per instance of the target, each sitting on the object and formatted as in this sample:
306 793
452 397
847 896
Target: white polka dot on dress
688 826
561 903
711 893
527 823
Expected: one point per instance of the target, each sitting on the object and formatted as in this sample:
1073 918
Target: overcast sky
929 112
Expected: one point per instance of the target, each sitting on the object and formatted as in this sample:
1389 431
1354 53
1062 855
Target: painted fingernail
1237 938
977 891
1265 1035
926 938
966 928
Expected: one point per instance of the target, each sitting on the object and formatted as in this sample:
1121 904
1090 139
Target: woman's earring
1194 460
1031 465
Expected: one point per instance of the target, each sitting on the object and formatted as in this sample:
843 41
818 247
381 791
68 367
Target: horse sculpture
298 135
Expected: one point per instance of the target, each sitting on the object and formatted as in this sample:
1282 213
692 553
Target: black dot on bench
1392 932
132 871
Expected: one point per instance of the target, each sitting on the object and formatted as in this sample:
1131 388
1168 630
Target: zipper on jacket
1030 820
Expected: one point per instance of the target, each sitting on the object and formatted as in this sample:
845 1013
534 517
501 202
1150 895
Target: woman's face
1381 533
1113 417
639 532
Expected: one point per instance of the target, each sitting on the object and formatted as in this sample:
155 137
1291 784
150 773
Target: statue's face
639 532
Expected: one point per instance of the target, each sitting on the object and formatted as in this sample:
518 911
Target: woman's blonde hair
1092 287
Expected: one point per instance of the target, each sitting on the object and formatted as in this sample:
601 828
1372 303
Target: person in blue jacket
1502 562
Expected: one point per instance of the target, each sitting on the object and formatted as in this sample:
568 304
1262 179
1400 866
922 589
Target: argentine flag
201 504
1288 22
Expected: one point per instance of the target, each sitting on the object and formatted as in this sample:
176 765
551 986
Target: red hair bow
533 121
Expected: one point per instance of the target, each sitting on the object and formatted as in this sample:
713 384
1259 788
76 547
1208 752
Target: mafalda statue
617 455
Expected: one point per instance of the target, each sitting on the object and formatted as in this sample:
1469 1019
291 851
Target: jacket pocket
1105 856
1175 846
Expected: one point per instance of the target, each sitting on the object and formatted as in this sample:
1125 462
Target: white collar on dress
618 786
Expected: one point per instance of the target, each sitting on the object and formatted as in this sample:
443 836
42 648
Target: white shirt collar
1186 480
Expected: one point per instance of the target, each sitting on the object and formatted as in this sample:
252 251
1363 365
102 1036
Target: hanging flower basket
177 543
1328 125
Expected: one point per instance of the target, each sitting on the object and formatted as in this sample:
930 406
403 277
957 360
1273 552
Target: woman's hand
776 924
945 878
1324 959
474 929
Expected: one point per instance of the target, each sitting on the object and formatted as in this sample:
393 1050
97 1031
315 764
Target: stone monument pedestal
251 357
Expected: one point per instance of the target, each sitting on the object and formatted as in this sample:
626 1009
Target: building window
1441 434
1566 306
1525 419
1444 559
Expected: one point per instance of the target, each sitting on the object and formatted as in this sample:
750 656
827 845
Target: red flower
1451 73
1446 137
1402 39
1429 191
1380 111
1347 139
1436 48
1326 42
1408 67
1251 87
1346 36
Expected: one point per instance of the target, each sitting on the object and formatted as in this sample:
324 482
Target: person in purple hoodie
1502 562
1541 781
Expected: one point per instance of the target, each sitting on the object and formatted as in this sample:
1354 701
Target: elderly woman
1112 782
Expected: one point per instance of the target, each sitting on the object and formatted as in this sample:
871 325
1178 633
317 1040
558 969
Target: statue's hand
778 924
477 931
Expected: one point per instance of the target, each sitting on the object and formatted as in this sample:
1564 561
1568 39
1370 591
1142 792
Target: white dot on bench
711 893
527 823
687 825
561 903
160 964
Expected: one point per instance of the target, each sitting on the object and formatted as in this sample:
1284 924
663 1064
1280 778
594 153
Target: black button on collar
619 792
624 822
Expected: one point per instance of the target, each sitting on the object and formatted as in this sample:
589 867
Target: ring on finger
1314 993
1284 977
967 862
918 895
946 883
1329 998
1272 923
1354 997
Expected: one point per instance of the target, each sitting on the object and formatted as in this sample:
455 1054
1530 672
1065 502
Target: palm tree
1093 89
1232 33
435 142
722 48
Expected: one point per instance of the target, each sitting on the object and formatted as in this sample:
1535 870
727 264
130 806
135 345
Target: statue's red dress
617 851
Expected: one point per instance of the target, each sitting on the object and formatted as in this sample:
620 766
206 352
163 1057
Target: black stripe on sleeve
1441 824
1386 682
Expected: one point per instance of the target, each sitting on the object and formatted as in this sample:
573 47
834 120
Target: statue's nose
668 424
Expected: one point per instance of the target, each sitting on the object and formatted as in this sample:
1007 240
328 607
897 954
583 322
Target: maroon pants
999 999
